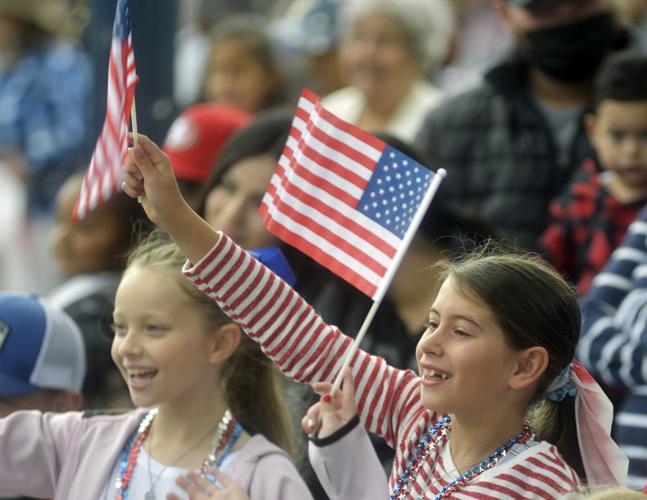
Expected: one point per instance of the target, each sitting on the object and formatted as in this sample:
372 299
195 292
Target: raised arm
614 330
149 177
287 328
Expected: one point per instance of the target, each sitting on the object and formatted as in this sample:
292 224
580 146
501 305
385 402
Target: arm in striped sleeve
297 339
614 329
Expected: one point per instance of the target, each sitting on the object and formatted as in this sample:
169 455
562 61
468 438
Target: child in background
195 140
242 69
498 350
92 254
196 382
614 336
42 358
591 217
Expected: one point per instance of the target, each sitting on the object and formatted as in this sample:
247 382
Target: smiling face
232 205
378 58
463 359
161 344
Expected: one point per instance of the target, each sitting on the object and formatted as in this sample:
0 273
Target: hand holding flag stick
348 200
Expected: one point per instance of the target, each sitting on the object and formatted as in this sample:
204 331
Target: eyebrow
469 319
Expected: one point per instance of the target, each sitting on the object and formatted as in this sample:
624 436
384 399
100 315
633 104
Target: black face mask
573 52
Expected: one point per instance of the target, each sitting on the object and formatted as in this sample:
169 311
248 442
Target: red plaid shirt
586 223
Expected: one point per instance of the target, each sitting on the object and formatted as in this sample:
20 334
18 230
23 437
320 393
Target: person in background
45 88
242 69
194 141
589 219
387 46
512 142
45 91
42 358
614 335
91 254
310 31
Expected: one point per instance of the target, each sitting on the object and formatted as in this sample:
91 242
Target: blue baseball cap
273 258
41 347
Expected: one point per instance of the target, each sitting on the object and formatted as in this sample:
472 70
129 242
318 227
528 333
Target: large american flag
103 177
343 197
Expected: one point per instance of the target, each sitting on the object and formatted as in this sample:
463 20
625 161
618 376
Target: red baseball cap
197 135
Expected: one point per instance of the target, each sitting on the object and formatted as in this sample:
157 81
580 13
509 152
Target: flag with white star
344 197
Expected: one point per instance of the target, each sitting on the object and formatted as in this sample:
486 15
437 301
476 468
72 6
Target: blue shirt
44 98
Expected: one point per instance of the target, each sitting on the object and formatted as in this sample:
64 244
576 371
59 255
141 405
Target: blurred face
546 14
378 59
463 359
161 341
232 205
619 133
235 77
90 245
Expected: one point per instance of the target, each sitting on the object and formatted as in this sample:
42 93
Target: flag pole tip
442 172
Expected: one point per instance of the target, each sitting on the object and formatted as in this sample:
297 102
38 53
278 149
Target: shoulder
259 448
269 472
108 414
540 469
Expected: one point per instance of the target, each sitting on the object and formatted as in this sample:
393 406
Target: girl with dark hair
500 340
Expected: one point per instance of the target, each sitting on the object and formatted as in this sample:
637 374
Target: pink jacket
69 457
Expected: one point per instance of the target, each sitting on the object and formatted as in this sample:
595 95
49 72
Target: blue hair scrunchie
562 386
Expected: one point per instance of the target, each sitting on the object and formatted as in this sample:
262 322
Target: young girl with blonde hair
196 381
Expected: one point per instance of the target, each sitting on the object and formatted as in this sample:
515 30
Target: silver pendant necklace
150 494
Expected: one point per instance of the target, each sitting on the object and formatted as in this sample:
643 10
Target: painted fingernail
326 398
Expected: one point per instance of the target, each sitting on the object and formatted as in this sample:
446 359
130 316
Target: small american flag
103 177
344 197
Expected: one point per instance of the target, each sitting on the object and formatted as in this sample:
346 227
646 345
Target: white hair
428 24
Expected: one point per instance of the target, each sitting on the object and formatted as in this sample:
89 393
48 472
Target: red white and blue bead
434 439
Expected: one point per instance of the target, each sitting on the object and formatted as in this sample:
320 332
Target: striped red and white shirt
388 399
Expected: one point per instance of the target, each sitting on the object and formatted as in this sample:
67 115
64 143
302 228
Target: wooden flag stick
133 124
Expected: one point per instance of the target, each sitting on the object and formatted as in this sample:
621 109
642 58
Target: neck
186 423
474 437
556 93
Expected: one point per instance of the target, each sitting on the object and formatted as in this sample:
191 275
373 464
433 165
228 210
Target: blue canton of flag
395 190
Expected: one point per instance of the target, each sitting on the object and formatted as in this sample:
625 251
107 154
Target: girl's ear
531 365
224 341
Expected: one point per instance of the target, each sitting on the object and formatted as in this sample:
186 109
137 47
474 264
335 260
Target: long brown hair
252 383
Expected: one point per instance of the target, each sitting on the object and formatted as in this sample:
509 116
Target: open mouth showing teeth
141 375
436 376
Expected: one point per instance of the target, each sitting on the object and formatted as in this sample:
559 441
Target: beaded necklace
434 439
229 429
